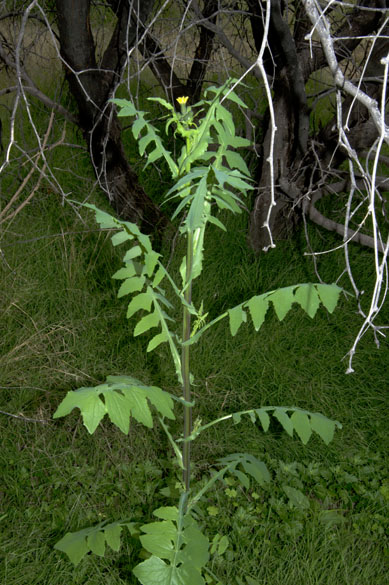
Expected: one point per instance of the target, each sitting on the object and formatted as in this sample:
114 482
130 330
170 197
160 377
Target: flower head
182 100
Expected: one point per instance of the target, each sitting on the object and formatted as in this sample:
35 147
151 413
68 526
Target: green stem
186 390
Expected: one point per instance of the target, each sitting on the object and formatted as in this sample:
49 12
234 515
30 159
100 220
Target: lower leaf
179 550
93 539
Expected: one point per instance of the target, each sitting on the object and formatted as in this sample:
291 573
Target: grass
63 327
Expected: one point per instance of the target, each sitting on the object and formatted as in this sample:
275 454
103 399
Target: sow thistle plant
205 181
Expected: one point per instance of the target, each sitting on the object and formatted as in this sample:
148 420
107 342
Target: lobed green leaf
157 340
282 300
301 421
140 301
264 418
308 299
127 272
302 425
179 550
121 397
146 323
88 401
258 307
92 539
251 465
286 423
329 295
126 108
323 426
237 317
121 237
134 284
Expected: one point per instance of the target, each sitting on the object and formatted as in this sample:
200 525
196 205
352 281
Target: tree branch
321 26
352 235
225 41
161 68
32 89
203 51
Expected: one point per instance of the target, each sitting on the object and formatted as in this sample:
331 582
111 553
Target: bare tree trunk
92 85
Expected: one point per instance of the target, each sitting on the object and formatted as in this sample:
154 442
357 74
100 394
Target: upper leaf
150 134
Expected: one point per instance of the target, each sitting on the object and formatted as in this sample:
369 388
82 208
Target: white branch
322 27
270 158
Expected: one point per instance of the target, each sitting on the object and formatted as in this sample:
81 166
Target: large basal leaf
121 397
93 539
179 550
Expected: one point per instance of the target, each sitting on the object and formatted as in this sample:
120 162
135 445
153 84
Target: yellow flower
182 100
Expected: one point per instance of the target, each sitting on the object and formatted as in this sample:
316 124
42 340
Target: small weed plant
206 179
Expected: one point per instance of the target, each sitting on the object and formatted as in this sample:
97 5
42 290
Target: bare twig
25 418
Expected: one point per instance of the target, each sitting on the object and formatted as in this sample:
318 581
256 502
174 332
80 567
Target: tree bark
160 66
290 139
92 86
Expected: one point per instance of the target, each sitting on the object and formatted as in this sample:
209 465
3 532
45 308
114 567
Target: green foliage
77 544
178 540
301 421
348 494
308 296
123 397
206 180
